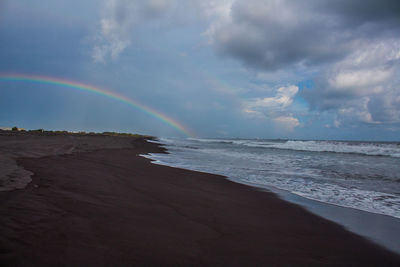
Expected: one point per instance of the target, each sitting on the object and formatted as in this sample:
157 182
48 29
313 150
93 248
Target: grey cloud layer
274 34
119 19
354 46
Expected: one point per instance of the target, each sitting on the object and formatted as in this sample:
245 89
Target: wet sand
112 207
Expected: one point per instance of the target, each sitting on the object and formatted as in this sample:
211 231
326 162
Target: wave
370 149
218 141
348 147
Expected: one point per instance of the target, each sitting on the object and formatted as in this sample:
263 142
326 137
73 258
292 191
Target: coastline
113 207
223 157
380 229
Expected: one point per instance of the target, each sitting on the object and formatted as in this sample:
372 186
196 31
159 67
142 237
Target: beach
94 200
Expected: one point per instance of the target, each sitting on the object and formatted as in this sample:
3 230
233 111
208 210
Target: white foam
372 149
363 148
366 200
155 141
227 141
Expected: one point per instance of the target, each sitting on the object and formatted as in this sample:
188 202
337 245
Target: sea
356 175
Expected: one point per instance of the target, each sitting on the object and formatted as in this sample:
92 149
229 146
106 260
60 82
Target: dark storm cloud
273 34
363 11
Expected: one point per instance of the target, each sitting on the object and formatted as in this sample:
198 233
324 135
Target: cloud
120 18
286 123
358 12
118 21
364 87
273 34
352 48
271 105
274 108
218 10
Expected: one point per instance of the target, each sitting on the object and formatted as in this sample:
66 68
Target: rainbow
100 91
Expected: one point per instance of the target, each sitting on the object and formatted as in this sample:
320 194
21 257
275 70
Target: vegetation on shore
64 132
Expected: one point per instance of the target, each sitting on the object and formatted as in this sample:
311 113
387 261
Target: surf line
100 91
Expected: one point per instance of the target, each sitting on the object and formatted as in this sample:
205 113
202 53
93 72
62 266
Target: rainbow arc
100 91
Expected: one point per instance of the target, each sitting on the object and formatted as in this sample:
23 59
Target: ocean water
359 175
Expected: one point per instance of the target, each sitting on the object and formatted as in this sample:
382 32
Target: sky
311 69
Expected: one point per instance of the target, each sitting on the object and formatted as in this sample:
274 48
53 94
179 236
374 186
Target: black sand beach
112 207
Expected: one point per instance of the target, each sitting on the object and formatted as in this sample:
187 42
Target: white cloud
120 18
274 108
358 111
118 21
113 34
286 123
361 78
363 87
336 123
283 98
216 9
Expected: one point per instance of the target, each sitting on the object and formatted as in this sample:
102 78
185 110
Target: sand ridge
35 145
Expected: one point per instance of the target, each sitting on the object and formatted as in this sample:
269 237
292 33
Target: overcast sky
309 69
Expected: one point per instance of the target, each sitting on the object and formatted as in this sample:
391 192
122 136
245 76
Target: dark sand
112 207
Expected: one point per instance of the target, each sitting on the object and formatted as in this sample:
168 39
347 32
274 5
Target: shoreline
114 207
379 228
